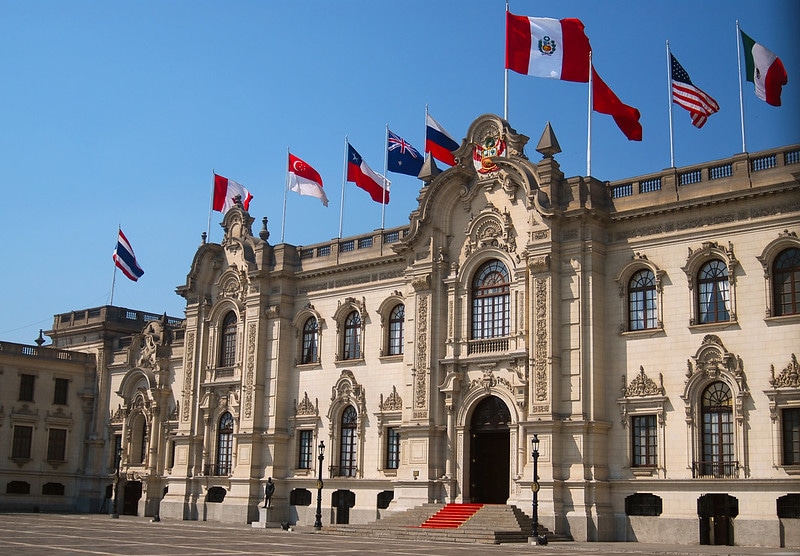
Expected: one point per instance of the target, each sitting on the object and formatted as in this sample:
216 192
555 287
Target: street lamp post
535 538
117 458
321 457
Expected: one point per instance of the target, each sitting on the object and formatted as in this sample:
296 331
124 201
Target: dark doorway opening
343 500
490 452
716 512
132 495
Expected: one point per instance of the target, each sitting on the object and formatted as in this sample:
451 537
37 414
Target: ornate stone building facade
646 330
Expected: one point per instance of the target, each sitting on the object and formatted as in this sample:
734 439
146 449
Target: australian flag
403 158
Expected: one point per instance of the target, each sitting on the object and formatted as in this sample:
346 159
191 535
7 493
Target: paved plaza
57 534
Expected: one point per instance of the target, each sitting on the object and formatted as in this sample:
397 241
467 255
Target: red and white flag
303 179
606 102
366 178
225 191
545 47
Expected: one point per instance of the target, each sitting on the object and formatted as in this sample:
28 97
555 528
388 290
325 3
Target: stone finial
429 170
264 233
548 144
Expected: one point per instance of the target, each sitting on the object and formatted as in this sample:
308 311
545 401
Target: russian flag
125 259
438 142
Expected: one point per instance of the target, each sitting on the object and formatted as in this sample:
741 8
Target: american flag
685 94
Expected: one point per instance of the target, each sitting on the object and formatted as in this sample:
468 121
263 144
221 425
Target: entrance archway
716 512
490 452
131 496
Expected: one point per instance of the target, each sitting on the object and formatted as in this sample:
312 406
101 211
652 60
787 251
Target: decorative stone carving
490 228
393 401
420 373
250 371
788 377
642 385
540 341
347 391
305 407
187 379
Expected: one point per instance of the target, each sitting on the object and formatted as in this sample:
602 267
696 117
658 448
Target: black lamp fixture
535 538
321 458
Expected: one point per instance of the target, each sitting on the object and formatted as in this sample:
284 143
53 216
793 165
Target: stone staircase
467 523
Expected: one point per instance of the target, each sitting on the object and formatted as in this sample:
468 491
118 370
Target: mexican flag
765 70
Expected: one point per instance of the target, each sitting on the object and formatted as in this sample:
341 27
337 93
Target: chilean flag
438 142
364 177
225 191
125 259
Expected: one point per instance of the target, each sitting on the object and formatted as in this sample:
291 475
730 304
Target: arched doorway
131 496
489 452
716 513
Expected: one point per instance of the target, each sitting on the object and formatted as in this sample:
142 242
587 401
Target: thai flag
438 142
125 259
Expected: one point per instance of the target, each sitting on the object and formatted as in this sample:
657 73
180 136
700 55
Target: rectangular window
26 383
644 441
392 448
305 449
60 392
21 444
790 418
57 445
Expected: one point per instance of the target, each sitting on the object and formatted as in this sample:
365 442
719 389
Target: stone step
491 524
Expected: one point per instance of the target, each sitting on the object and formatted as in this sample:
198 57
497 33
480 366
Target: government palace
644 332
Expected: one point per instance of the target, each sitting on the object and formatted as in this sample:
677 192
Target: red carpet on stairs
451 516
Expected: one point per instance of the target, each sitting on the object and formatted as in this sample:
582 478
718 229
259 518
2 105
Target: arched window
227 345
713 293
491 314
224 444
351 347
347 448
642 301
310 341
716 408
786 283
396 324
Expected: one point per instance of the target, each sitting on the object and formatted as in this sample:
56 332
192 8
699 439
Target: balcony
217 470
488 345
715 470
342 471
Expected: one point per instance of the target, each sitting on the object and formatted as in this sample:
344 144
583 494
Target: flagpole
589 125
114 275
669 92
344 181
505 78
285 188
741 96
385 170
210 206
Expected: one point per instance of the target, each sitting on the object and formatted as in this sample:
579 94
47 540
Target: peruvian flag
606 102
545 47
765 70
225 191
303 179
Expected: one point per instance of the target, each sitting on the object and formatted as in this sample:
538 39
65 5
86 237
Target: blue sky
116 113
